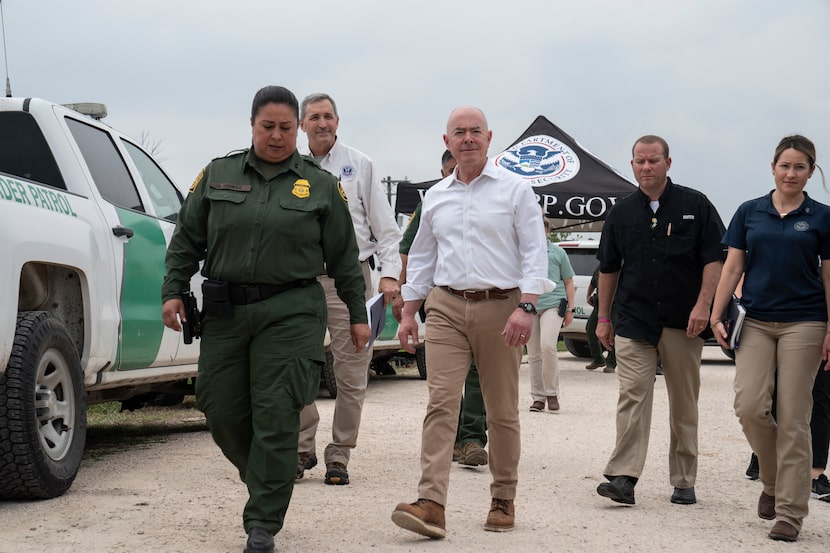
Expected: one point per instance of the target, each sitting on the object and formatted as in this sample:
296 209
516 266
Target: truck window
583 260
106 165
24 151
164 196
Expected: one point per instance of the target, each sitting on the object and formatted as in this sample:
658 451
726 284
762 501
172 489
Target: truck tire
421 361
329 381
42 411
577 348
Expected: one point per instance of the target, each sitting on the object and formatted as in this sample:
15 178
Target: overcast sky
722 80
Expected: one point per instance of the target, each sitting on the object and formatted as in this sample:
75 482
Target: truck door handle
123 231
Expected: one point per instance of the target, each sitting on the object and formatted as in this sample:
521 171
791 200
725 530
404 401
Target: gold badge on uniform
301 188
197 181
342 192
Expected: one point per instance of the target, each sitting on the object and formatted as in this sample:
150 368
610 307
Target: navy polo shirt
783 277
660 257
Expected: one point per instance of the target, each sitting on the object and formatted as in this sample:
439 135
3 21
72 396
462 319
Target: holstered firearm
193 327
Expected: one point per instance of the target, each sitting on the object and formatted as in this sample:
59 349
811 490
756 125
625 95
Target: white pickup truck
85 218
583 257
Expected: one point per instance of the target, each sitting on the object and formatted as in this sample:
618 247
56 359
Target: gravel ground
174 492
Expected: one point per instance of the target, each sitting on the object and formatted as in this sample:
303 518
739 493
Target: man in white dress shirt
480 261
376 232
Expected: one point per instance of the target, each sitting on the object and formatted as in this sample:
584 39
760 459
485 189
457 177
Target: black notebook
735 314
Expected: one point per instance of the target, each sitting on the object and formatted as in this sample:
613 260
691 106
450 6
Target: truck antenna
5 54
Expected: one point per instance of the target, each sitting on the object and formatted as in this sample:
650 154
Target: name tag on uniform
231 186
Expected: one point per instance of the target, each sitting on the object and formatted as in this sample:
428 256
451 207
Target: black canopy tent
574 187
410 194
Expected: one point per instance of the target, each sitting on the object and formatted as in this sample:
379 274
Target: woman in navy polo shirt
776 241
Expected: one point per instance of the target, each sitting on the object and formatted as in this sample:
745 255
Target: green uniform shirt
410 232
255 230
559 268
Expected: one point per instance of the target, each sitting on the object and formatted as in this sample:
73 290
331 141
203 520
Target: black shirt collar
663 197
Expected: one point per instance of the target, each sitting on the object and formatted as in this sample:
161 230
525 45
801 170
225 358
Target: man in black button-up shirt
660 260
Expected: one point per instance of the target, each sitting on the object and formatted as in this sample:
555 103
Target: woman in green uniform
266 221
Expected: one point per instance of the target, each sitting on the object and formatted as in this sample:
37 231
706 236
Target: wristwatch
528 307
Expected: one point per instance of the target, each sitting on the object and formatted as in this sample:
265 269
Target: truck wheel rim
54 404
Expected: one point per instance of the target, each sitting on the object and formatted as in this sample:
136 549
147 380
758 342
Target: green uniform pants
472 419
256 371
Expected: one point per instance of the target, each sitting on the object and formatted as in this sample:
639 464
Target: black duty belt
478 295
243 294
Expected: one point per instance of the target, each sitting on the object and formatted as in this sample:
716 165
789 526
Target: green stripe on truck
141 325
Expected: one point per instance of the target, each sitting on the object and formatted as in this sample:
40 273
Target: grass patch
110 415
111 430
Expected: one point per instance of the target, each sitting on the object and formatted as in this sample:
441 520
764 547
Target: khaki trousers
458 330
542 355
792 351
351 372
636 368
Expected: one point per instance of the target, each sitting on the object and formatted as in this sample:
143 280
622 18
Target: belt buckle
472 294
252 293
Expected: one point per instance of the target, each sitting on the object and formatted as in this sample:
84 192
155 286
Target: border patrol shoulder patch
342 192
196 182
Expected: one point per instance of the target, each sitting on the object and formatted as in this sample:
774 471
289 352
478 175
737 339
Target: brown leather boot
473 455
537 406
502 515
783 531
425 517
766 506
553 403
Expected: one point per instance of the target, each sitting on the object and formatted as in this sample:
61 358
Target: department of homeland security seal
540 160
347 172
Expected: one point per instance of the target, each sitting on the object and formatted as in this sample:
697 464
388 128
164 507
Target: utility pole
389 181
5 55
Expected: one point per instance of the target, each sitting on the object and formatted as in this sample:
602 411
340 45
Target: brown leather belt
479 295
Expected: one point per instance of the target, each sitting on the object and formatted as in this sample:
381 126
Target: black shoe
619 489
659 369
820 488
260 540
752 469
383 368
684 496
336 474
305 461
